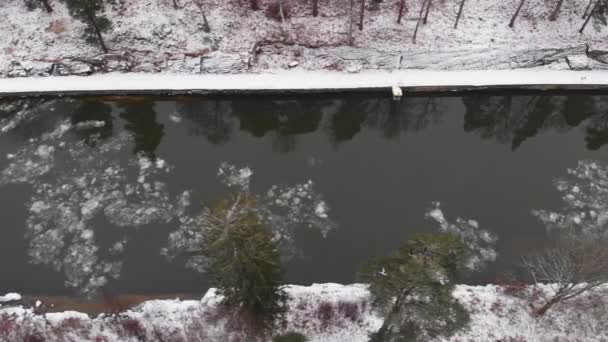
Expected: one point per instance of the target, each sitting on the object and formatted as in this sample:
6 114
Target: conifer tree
91 12
413 288
244 262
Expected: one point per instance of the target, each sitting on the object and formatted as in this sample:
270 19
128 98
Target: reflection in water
479 242
282 208
585 194
95 121
93 166
68 196
212 118
141 122
515 119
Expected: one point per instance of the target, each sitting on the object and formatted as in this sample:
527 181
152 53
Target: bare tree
315 8
424 2
350 21
175 4
401 9
587 8
589 16
459 13
361 15
428 9
516 14
574 265
199 4
555 13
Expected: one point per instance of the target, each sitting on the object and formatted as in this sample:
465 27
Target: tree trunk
589 16
543 310
282 19
587 9
206 26
555 13
175 4
254 5
92 21
428 9
315 8
361 15
459 14
47 6
350 22
521 4
418 22
401 8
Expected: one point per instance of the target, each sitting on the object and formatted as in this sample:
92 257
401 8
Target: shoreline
319 311
301 82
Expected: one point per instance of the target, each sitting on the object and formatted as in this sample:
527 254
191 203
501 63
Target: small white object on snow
397 93
293 64
10 297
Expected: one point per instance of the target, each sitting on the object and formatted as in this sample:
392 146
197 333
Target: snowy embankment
294 81
155 37
322 312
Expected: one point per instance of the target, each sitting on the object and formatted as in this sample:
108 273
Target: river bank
322 312
155 37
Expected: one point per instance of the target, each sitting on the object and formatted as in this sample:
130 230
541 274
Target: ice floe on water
584 191
480 242
282 207
89 182
78 175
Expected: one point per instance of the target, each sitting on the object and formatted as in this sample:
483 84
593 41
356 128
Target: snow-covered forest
55 37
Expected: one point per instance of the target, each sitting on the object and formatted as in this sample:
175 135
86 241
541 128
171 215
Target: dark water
378 164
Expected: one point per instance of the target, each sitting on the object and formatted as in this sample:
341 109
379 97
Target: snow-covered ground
322 312
297 80
152 36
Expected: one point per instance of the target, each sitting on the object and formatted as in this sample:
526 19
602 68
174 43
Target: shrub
290 337
326 313
349 310
133 327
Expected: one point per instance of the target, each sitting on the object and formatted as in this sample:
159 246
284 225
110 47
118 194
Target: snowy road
303 81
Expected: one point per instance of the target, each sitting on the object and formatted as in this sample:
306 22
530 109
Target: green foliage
413 288
290 337
243 261
91 12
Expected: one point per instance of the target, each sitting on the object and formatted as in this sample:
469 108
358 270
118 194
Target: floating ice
89 183
282 208
584 191
479 242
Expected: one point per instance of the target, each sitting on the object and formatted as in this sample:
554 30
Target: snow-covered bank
322 312
153 37
412 80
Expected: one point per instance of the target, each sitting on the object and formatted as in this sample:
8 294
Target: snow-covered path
303 81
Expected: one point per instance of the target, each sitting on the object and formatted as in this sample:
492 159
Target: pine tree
243 260
413 288
91 12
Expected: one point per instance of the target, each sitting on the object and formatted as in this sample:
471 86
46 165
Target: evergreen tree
91 12
413 288
244 262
